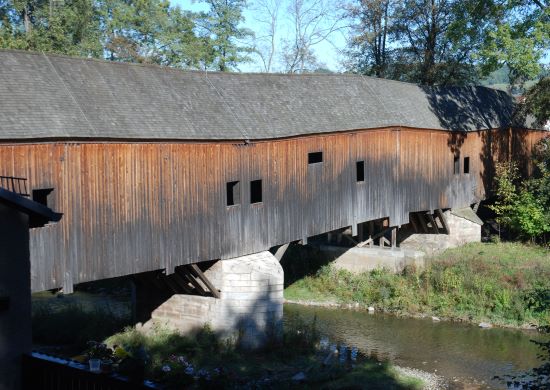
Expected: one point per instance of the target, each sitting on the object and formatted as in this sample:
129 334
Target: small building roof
468 214
41 213
51 96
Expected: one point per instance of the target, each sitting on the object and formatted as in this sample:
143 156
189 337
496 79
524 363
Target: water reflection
452 350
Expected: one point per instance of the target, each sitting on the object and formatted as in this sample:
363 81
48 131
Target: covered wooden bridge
154 168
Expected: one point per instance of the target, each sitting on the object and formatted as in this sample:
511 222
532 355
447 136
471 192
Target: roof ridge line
380 101
242 130
94 130
278 74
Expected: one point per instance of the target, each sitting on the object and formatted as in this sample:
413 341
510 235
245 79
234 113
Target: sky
327 53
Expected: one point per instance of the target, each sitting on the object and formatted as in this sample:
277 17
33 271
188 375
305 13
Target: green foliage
501 283
447 41
205 361
151 31
525 207
428 42
506 175
537 103
98 351
519 40
70 27
222 26
145 31
529 217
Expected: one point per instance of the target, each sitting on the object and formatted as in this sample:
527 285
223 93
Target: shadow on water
453 350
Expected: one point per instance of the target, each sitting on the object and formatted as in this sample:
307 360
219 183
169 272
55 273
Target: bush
501 283
523 206
205 361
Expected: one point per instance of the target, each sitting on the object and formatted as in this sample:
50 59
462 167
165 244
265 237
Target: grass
228 367
73 320
503 283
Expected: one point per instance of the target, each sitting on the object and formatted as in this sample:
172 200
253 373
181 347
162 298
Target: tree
180 46
438 39
151 31
520 40
221 24
371 36
506 177
312 22
524 207
423 41
71 27
267 12
147 31
537 102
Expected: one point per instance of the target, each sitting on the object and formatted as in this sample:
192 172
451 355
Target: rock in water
485 325
370 309
299 377
436 319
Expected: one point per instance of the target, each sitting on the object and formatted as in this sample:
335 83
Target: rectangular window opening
233 190
315 157
256 191
466 164
457 165
41 195
360 171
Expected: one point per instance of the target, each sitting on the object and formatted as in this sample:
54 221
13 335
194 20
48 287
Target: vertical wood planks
135 207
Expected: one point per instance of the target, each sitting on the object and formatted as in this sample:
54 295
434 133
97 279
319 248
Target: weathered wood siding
135 207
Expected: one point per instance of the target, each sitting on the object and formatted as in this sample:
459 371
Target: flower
166 368
202 372
183 360
189 370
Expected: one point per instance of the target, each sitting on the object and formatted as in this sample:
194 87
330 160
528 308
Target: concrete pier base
249 310
359 260
464 227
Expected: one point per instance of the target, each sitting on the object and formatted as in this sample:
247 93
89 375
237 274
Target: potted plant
96 353
132 362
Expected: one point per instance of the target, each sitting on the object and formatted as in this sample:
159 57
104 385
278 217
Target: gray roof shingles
52 96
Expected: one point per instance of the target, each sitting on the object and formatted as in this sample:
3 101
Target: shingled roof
51 96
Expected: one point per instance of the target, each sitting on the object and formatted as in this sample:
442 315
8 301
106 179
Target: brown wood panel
136 207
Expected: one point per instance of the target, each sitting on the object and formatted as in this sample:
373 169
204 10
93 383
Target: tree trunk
27 20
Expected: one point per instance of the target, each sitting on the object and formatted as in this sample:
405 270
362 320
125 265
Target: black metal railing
14 184
46 372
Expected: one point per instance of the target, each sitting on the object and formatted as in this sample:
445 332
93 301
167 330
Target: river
462 353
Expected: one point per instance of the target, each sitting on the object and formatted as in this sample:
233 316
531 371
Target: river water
462 352
457 351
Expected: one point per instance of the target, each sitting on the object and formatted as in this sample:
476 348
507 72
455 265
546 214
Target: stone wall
249 310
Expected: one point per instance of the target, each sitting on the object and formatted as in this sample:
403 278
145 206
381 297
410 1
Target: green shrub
503 283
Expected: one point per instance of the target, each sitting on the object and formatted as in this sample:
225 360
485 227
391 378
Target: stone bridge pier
249 309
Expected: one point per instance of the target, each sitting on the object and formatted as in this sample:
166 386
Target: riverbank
280 365
504 284
300 359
